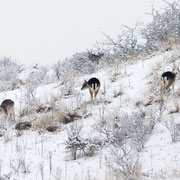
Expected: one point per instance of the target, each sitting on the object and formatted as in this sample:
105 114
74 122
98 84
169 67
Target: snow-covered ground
125 88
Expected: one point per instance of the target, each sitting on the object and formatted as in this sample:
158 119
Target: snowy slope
126 88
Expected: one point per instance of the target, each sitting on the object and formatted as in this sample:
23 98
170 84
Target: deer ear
85 81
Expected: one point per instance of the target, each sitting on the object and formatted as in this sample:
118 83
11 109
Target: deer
7 108
93 85
167 80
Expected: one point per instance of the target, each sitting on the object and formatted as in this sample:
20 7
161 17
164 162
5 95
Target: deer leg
91 93
5 118
161 92
96 92
13 116
173 86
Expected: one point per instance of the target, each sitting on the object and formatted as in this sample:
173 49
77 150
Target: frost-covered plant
125 164
80 63
118 129
9 71
125 46
107 125
174 129
30 98
68 84
75 143
61 67
153 115
132 130
39 76
165 27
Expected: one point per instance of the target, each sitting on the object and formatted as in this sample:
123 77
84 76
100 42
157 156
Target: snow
36 154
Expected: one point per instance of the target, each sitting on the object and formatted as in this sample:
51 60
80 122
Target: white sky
45 31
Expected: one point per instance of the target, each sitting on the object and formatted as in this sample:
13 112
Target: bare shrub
20 166
125 163
125 46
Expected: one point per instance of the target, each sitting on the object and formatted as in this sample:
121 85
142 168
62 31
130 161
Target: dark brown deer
167 80
93 85
7 108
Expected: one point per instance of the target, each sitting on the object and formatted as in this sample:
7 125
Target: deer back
7 104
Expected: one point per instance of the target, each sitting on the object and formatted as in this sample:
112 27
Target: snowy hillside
128 132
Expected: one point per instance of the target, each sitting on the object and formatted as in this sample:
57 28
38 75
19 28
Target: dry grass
57 116
43 122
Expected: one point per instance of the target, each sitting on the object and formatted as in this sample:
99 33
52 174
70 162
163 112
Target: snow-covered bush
82 64
61 67
119 129
132 130
39 76
126 45
74 144
9 71
164 28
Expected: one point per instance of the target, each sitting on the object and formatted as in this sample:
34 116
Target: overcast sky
45 31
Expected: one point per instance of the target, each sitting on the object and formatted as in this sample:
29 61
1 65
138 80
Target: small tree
75 143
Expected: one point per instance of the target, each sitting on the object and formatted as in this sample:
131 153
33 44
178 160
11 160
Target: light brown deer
7 108
93 85
167 80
